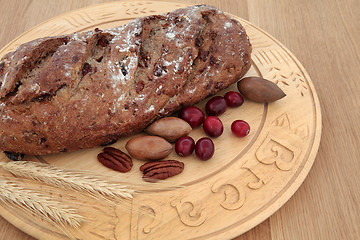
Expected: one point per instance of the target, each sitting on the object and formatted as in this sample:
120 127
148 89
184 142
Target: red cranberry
240 128
213 126
193 115
216 106
234 99
185 146
204 148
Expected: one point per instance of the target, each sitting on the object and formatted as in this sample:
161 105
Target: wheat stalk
39 204
75 180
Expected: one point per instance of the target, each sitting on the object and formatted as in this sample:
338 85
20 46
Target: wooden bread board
246 181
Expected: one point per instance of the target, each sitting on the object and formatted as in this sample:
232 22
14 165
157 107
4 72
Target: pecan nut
159 170
115 159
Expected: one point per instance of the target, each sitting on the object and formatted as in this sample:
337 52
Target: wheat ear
50 210
75 180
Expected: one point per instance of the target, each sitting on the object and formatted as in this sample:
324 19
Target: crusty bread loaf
82 90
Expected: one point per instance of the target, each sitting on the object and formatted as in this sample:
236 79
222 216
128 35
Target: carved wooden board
245 182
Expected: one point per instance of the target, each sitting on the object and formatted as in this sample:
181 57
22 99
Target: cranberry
213 126
240 128
185 146
193 115
204 148
216 106
234 99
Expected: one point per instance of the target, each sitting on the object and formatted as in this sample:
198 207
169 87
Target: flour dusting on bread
82 90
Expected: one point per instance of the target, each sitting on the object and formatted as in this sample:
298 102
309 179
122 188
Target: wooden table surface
325 37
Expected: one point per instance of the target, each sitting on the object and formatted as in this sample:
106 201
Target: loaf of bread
82 90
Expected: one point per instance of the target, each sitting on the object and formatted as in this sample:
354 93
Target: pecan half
115 159
161 169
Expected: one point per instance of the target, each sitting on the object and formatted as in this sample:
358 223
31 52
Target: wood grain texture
324 36
247 179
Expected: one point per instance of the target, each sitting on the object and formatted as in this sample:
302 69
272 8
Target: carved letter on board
280 151
195 216
234 195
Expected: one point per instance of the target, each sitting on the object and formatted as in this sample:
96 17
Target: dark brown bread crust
82 90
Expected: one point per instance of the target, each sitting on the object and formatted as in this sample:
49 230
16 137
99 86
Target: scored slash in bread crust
81 90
